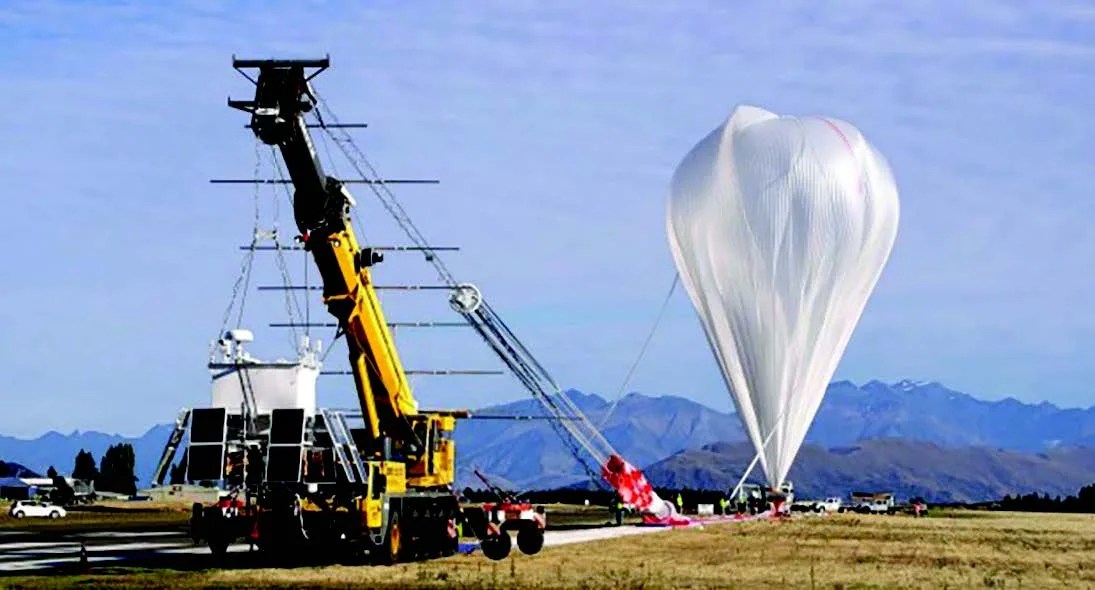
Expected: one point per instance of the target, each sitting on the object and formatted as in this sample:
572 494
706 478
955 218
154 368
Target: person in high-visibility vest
724 503
618 510
680 503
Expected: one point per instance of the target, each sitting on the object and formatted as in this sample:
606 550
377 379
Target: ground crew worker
724 504
680 503
85 567
618 508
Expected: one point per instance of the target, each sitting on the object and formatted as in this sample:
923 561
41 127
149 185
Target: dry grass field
954 550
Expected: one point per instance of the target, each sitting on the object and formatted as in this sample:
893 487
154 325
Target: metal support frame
376 287
327 126
321 64
182 421
340 444
378 248
431 372
347 181
390 325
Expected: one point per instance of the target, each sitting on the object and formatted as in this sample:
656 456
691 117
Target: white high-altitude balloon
780 227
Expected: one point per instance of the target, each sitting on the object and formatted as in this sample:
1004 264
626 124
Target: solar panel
287 426
283 463
205 463
208 425
205 456
286 445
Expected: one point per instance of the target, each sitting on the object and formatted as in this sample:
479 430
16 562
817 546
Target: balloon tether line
753 464
642 351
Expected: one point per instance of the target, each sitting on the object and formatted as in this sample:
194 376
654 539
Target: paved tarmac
38 552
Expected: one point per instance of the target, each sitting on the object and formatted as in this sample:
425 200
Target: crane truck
385 490
301 476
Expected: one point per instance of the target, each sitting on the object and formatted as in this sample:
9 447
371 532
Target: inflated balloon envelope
780 227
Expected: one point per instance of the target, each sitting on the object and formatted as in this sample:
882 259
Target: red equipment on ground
493 524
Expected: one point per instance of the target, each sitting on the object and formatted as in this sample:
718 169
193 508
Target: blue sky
554 128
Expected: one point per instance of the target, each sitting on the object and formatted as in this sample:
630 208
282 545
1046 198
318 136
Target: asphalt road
40 552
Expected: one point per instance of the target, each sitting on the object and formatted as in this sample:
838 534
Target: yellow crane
385 489
391 495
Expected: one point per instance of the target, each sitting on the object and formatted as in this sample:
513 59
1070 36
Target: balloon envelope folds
780 227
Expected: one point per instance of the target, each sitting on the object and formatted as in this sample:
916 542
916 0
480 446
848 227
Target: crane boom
321 208
384 491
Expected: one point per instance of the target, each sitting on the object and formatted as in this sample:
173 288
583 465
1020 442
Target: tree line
1083 501
115 472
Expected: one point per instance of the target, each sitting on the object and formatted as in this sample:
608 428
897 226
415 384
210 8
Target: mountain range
935 413
59 450
857 430
909 468
527 453
646 429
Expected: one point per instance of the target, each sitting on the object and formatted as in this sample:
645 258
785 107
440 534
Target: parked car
27 508
829 505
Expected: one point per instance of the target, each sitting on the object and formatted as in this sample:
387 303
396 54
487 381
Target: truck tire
218 547
496 547
19 514
218 531
196 519
530 540
449 547
54 514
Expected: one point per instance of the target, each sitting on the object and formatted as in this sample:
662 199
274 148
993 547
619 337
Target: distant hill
527 454
15 470
909 468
